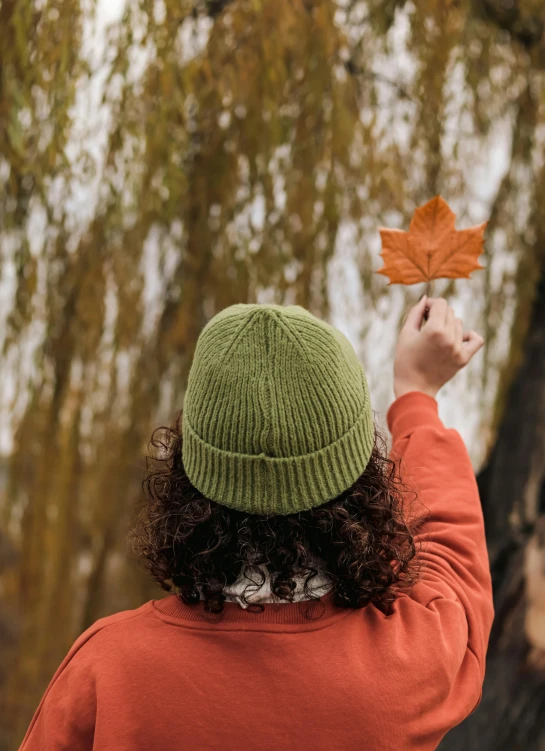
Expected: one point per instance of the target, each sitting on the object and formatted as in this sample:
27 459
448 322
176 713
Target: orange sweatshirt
168 676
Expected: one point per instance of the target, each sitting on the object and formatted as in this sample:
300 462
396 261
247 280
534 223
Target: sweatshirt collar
305 615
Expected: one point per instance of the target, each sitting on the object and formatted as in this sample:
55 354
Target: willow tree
191 155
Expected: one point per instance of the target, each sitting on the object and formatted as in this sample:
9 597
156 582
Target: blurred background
162 159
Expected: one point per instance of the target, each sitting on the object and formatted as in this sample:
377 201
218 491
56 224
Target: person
323 595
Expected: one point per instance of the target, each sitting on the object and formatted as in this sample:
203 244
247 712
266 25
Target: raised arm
451 540
435 463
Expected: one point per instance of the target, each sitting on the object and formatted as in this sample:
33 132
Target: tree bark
512 487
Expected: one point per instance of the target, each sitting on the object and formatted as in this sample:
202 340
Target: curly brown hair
364 539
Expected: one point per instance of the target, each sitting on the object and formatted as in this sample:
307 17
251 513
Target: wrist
401 388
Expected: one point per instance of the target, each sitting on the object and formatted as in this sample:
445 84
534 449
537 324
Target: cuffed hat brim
270 485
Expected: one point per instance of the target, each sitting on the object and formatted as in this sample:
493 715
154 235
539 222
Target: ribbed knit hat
276 416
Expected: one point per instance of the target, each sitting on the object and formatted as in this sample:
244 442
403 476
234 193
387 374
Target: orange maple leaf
432 248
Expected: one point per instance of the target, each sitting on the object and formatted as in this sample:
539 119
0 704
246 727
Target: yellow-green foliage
238 161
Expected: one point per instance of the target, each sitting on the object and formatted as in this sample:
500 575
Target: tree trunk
512 487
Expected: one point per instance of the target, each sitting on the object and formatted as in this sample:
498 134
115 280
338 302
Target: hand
431 351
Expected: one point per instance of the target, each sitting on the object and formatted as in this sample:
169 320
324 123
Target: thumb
415 316
471 344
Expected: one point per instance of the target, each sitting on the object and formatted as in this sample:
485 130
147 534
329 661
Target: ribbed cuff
410 411
272 485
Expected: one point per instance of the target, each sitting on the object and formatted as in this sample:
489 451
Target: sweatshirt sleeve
65 718
451 541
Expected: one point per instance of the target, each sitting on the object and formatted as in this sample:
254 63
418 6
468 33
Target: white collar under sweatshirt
257 593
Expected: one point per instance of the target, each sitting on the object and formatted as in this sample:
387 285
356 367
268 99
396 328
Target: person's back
316 604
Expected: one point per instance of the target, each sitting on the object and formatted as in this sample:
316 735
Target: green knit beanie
276 417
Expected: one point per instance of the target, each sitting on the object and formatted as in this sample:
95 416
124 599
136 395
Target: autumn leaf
432 248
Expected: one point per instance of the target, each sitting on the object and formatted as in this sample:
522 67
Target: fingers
443 322
450 325
459 335
438 308
471 344
415 316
